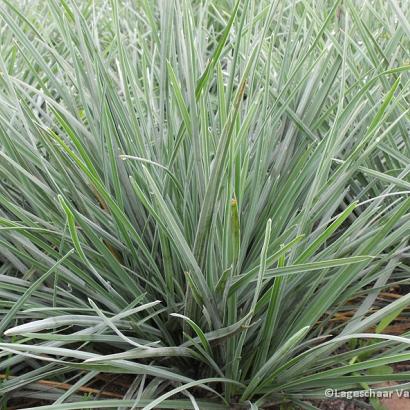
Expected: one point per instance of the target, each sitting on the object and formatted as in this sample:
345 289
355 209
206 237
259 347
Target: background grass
192 193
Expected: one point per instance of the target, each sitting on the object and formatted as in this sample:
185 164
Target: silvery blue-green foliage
191 193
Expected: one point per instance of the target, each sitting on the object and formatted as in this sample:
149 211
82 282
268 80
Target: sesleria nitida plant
208 197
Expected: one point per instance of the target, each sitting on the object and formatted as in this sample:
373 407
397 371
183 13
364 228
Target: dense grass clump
208 197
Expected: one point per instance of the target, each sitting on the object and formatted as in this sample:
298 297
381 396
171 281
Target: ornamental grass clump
206 199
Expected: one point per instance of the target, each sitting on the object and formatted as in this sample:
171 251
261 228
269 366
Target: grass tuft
203 204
